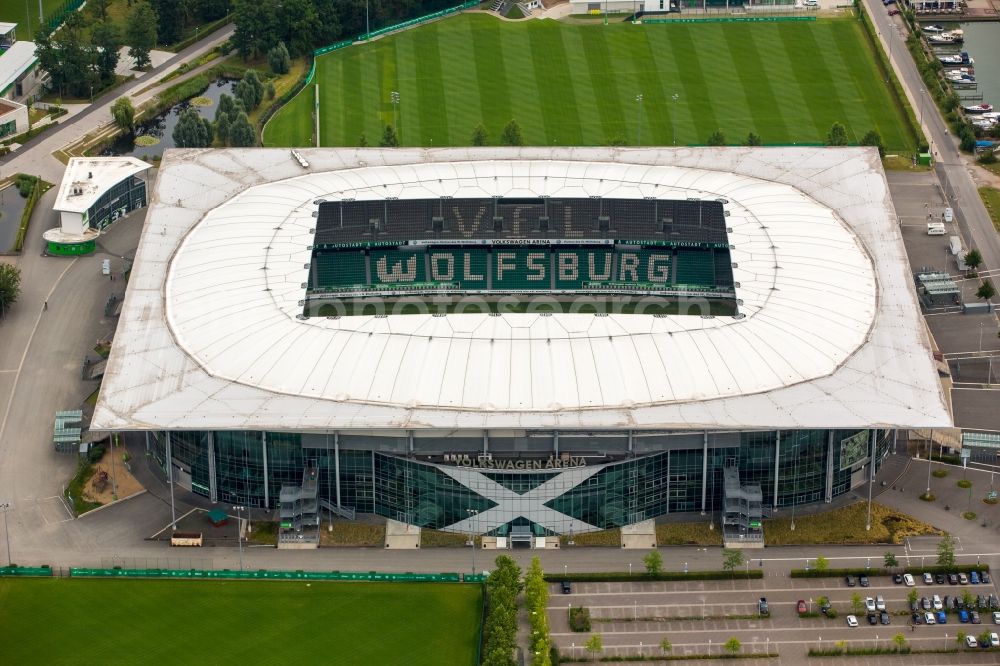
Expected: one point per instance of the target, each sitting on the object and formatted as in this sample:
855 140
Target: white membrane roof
87 178
829 333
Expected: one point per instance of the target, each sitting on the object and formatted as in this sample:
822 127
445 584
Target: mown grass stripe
526 107
460 84
765 110
491 77
814 78
696 95
675 113
431 100
600 71
655 122
789 95
351 110
727 89
555 84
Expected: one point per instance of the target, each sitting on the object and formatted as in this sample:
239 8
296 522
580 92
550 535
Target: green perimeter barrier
262 574
25 571
474 578
733 19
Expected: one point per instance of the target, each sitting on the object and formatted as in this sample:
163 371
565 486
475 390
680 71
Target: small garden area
847 526
352 534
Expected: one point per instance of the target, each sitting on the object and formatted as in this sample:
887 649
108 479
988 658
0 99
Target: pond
982 41
161 127
11 207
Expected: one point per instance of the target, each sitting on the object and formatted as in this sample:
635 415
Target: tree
912 596
254 27
99 9
837 135
732 558
140 32
717 138
873 138
856 603
666 645
900 641
973 259
968 599
10 287
106 40
225 115
654 562
890 561
594 645
123 113
67 56
249 90
960 637
511 135
192 131
946 551
823 601
362 141
271 92
241 133
278 59
169 20
753 139
733 645
822 564
389 139
986 290
479 136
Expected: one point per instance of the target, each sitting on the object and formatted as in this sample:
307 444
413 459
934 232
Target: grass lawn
991 199
845 525
577 84
12 11
64 621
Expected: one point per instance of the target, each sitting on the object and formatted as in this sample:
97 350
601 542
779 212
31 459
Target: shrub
579 619
25 183
96 453
969 515
611 576
964 483
939 473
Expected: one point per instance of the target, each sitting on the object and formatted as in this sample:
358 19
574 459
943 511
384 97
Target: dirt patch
95 491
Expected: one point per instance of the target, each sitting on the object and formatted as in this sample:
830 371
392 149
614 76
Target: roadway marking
27 346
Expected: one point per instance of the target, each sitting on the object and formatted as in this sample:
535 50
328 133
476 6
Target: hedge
617 576
37 188
878 571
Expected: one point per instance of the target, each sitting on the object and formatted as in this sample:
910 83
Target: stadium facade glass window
376 476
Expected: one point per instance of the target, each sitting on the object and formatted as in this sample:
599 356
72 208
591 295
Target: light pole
239 531
6 534
980 337
630 569
394 98
673 126
638 130
368 30
685 567
472 513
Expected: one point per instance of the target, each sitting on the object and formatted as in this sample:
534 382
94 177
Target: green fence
732 19
262 574
25 571
58 16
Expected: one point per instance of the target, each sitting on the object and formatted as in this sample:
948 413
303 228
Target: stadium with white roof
493 340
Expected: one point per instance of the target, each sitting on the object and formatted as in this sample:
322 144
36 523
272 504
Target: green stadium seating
345 268
583 272
723 268
397 267
695 267
515 273
460 273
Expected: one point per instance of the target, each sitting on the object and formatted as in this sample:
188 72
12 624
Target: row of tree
305 25
536 596
500 625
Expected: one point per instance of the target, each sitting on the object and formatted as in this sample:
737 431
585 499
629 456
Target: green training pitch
569 84
58 621
13 11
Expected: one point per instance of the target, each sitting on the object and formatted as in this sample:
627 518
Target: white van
812 3
935 229
955 245
949 215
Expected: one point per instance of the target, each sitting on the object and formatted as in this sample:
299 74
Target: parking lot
698 617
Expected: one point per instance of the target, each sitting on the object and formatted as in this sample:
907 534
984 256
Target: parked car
762 606
980 601
940 579
956 603
908 579
963 579
894 12
870 605
917 618
936 602
567 587
985 577
883 617
824 608
880 603
994 602
963 616
802 608
947 602
925 603
974 578
941 617
953 579
994 640
863 581
929 618
897 579
872 619
970 642
914 606
974 617
996 617
852 621
959 603
849 579
928 579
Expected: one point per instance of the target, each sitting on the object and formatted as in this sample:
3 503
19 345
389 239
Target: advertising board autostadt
487 461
